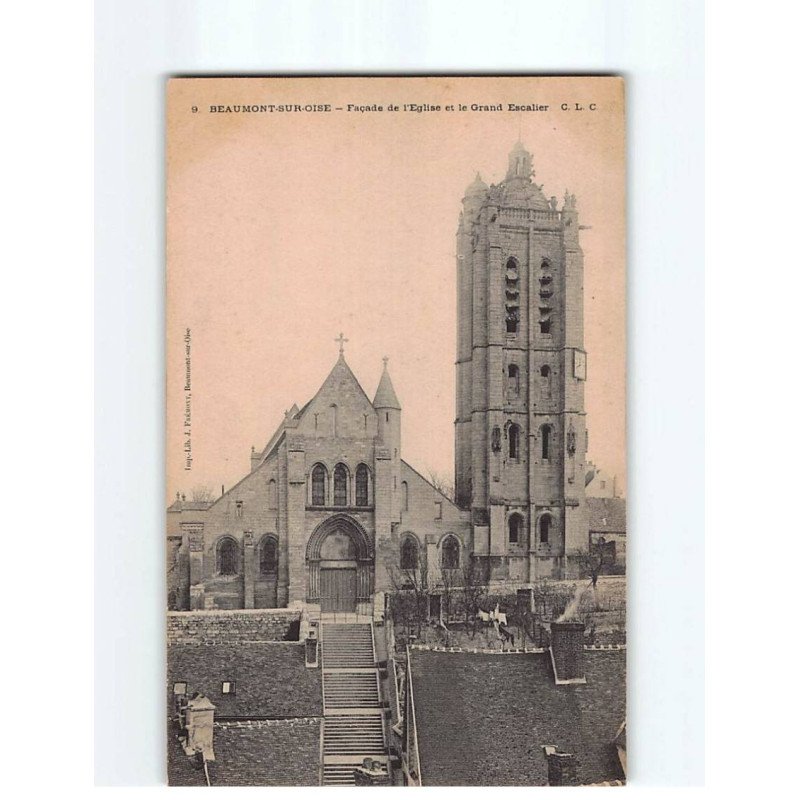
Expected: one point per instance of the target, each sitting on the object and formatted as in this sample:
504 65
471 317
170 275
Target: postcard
396 476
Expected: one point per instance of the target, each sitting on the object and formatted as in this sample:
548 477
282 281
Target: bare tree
475 578
413 584
591 562
203 493
443 484
543 595
450 581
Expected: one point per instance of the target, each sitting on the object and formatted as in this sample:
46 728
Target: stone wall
233 627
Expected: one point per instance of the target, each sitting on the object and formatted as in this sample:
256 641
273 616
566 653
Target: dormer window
228 687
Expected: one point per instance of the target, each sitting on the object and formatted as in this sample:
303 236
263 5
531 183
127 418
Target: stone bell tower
520 372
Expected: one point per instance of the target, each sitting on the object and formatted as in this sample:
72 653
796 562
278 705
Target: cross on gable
341 340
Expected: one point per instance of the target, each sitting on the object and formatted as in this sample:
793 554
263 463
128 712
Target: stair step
351 691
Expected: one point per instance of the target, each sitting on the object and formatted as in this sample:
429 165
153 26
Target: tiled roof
606 514
271 679
274 753
483 719
190 505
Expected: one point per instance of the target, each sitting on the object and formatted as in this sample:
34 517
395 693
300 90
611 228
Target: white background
747 377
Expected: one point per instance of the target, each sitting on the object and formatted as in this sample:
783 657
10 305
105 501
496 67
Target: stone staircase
351 696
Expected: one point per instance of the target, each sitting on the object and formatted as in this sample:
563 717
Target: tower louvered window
545 295
512 296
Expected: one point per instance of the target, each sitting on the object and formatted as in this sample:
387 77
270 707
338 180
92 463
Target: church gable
340 409
251 504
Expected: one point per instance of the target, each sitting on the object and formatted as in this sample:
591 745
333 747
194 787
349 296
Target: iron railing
364 610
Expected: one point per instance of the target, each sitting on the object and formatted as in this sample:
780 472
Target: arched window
545 434
513 379
318 475
334 420
515 523
545 371
227 557
409 553
513 441
362 485
340 485
545 524
404 489
268 556
451 553
272 494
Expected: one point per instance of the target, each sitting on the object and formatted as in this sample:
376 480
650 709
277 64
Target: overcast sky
286 228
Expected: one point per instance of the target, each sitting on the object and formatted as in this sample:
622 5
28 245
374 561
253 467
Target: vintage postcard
396 477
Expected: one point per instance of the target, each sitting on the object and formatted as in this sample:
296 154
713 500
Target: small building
608 531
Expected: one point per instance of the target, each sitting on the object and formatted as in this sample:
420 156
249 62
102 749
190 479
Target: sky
285 229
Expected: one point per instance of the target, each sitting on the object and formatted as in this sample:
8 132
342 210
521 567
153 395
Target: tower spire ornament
341 340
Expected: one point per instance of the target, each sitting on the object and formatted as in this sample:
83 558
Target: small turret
385 396
474 197
387 407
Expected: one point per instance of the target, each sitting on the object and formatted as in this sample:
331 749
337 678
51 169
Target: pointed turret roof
477 187
386 397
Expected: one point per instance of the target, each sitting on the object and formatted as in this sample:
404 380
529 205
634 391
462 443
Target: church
330 515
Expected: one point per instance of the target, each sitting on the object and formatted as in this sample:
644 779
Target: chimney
562 768
566 652
312 647
200 727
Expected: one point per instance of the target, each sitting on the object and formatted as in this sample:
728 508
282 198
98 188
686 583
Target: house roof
190 505
266 753
271 679
483 719
606 514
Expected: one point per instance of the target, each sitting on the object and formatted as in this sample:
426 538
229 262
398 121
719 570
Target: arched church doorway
337 573
340 564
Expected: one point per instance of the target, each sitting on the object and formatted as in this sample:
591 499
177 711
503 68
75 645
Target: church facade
330 514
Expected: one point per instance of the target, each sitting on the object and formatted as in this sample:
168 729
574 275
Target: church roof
385 396
341 374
